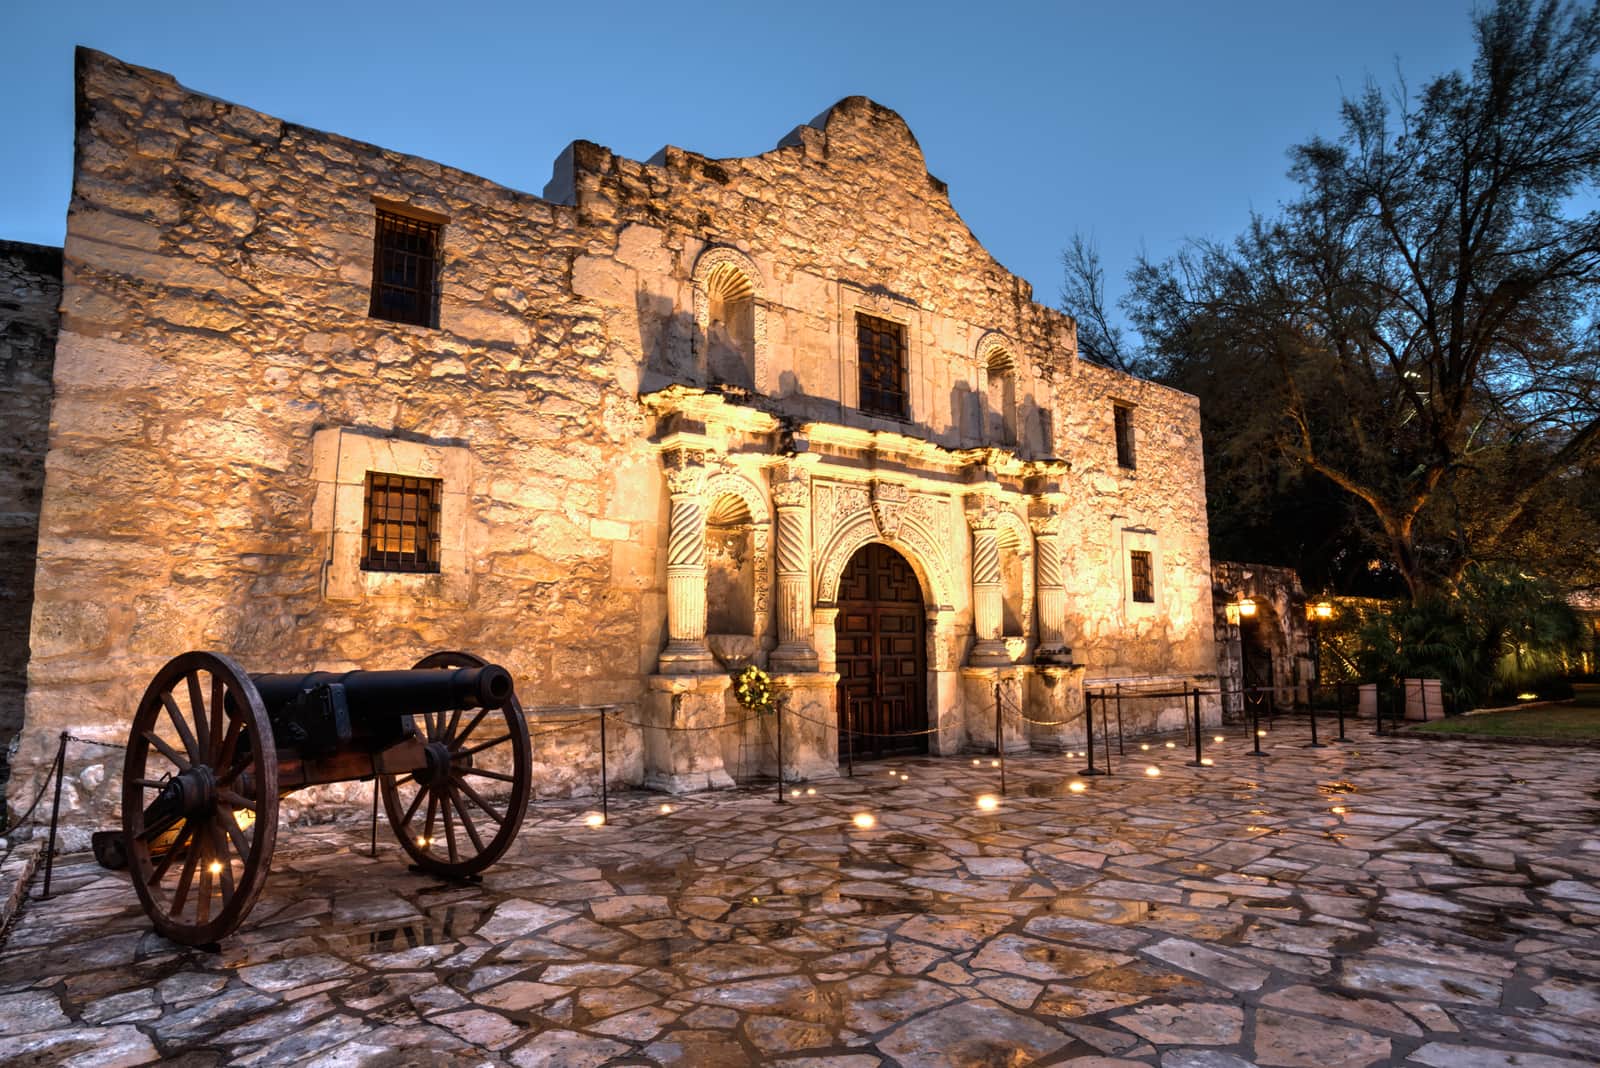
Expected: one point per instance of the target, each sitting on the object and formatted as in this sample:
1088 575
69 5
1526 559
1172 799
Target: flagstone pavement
1383 901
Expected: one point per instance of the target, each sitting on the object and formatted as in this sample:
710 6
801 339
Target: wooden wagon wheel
199 798
460 813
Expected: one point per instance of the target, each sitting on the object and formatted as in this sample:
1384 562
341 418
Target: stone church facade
319 404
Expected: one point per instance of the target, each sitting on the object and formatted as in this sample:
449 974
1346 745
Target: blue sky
1138 123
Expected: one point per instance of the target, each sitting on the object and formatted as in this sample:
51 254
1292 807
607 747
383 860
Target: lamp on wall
1321 610
1247 608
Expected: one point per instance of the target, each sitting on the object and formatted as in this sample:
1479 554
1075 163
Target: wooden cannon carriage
212 750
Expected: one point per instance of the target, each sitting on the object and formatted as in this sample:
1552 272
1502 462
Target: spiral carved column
1049 586
791 495
686 652
983 515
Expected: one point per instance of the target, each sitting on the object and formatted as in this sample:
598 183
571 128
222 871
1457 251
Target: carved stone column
791 496
686 652
983 515
1044 517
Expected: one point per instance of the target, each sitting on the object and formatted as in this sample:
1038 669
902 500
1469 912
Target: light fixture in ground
811 791
1217 738
1145 746
795 792
1261 733
1077 786
988 802
594 819
864 820
1207 761
666 810
215 867
1153 771
1172 745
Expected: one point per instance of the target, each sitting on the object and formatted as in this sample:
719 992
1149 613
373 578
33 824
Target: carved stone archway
848 515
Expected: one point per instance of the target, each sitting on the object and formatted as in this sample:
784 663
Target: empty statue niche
730 568
1002 406
1014 561
730 326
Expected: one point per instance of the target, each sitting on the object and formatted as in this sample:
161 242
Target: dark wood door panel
881 657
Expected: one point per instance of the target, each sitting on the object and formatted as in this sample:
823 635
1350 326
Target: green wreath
753 688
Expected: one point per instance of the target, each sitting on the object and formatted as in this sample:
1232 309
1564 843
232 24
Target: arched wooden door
882 656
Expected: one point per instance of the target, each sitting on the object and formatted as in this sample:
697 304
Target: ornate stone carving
686 651
685 470
709 261
889 502
791 493
843 520
983 511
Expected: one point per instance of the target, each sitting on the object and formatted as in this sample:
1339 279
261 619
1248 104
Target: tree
1418 328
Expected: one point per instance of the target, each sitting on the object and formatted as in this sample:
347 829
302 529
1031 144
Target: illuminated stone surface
736 931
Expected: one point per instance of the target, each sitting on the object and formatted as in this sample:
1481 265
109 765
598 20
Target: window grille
1144 586
1124 422
405 263
882 355
400 527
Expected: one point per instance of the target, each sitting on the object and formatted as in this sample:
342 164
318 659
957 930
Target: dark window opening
882 352
400 527
1144 583
405 264
1124 421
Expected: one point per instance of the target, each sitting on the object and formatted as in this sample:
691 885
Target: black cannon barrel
379 693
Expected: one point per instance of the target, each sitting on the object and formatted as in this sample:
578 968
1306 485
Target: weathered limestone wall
221 390
30 299
218 271
1159 506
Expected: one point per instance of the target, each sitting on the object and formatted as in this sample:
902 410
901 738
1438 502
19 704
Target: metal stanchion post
1255 728
1199 760
778 711
605 807
1120 750
1088 731
55 811
1000 739
1105 738
1338 699
849 737
1314 743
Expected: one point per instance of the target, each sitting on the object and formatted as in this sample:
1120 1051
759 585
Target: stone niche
730 569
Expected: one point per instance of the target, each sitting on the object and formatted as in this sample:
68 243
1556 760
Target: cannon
212 750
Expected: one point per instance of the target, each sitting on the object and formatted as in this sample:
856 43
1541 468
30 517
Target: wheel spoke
202 901
477 799
236 833
190 746
181 893
405 821
220 849
450 731
471 726
178 846
230 743
219 700
166 750
236 800
149 784
427 827
466 820
499 776
449 823
197 712
481 746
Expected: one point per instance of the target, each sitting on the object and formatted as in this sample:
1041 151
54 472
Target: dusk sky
1139 123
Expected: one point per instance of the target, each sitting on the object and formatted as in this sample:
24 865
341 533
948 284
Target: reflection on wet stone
1196 921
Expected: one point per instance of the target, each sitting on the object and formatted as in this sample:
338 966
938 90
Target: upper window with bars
881 348
405 269
1143 577
400 527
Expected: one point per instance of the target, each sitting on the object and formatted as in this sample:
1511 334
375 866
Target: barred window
1123 416
405 264
881 345
1144 586
400 529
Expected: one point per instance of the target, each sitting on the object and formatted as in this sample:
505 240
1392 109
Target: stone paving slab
1377 902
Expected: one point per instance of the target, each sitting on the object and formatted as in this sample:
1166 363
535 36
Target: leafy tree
1416 332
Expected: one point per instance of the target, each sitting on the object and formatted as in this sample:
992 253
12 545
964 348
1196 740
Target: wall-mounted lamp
1247 608
1320 610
